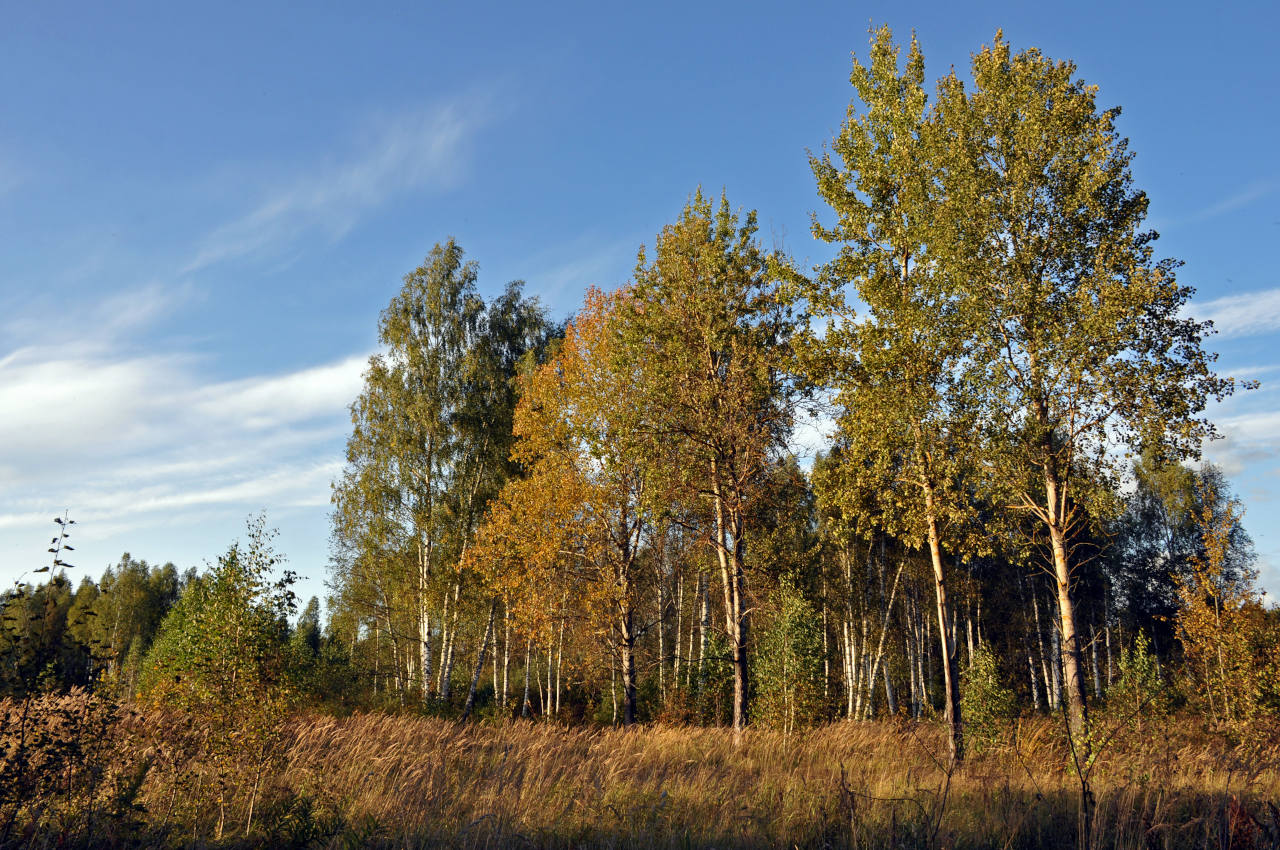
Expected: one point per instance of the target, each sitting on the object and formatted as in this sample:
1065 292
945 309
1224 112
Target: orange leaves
569 530
1218 633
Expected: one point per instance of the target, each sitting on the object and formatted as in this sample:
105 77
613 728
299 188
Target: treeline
601 520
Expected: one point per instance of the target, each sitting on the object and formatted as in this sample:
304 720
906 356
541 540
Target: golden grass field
145 779
408 781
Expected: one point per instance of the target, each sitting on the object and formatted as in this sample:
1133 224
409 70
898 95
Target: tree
222 655
429 447
121 621
1216 621
1156 539
788 661
901 374
579 518
706 335
401 443
1082 327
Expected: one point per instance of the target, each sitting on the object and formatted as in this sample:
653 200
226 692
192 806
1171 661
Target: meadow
385 780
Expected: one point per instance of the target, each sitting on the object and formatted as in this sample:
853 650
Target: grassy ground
421 781
404 781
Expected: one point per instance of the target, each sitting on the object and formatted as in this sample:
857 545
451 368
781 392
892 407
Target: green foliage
985 703
38 650
788 662
222 657
226 639
707 334
712 696
430 446
1140 691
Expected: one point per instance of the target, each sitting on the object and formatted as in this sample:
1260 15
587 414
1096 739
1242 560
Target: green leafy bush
985 704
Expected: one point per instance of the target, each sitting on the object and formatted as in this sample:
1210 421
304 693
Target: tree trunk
626 650
528 661
951 682
662 646
730 549
475 675
506 651
444 642
704 628
675 664
826 643
1051 695
424 618
559 660
1073 679
1069 652
879 656
446 686
1093 652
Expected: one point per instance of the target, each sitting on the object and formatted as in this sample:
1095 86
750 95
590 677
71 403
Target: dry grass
401 781
404 781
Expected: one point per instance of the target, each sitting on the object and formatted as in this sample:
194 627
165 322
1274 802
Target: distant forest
600 522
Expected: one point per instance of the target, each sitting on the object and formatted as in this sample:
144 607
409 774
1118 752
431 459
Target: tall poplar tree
901 373
1084 329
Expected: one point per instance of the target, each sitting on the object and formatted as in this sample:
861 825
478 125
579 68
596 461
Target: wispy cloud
415 151
1246 314
1253 192
147 441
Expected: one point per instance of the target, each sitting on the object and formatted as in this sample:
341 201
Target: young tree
1214 620
706 336
222 655
788 661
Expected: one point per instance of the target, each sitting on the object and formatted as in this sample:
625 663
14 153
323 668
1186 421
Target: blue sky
203 212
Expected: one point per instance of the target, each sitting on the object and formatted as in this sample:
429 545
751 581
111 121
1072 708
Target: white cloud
1249 451
132 442
267 402
1242 315
415 151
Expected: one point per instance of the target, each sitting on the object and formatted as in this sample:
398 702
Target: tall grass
428 782
381 780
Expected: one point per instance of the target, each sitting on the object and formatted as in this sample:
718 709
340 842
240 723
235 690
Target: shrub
985 704
788 663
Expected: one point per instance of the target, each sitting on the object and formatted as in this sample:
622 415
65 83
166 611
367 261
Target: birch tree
706 337
431 435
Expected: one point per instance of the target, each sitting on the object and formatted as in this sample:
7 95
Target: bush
1140 690
985 704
